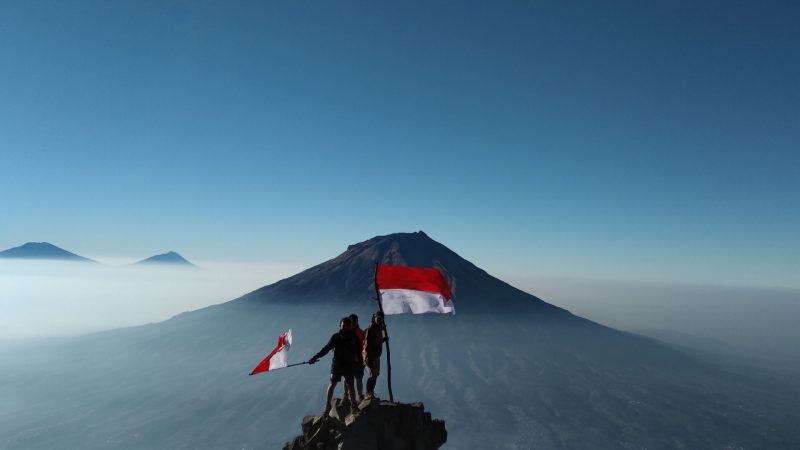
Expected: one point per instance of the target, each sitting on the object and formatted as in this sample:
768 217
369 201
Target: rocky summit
371 425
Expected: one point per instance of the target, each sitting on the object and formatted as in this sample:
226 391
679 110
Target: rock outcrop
372 425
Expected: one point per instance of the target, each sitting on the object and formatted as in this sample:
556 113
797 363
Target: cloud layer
46 298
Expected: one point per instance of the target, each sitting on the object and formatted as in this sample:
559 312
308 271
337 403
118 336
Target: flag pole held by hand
290 365
297 364
386 337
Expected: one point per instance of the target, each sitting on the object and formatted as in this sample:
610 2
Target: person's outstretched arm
328 347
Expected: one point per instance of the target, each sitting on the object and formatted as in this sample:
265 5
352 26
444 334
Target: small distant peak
171 257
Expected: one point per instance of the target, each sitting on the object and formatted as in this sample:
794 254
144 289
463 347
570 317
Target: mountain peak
41 250
418 237
170 257
349 276
37 245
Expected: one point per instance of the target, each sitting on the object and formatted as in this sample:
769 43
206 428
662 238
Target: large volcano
508 371
349 277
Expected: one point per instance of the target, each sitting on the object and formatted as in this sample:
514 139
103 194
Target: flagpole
290 365
386 334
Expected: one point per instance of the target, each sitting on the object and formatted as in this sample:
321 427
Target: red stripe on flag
415 278
263 366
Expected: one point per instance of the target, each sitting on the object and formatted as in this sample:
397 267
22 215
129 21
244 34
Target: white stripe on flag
400 301
281 358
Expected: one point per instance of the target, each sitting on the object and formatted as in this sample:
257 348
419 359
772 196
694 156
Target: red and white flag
278 358
413 290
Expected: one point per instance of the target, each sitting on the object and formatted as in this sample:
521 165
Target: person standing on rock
373 348
358 371
344 344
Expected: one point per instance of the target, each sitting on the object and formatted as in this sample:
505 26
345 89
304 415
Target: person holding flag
343 344
373 348
358 370
400 290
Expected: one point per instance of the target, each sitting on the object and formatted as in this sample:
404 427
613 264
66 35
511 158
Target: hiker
343 345
358 371
373 348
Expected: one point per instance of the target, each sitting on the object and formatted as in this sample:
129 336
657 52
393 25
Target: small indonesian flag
413 290
278 358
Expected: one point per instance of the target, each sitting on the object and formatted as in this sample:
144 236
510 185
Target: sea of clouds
51 298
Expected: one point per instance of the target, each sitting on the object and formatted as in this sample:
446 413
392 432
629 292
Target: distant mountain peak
170 257
42 250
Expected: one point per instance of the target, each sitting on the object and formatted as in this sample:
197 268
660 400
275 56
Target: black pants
374 368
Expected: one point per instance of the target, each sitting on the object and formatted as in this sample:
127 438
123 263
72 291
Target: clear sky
624 140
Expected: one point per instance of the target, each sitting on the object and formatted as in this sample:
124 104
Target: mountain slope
349 278
171 258
41 250
538 378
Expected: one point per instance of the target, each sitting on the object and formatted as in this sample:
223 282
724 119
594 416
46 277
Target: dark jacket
373 347
343 344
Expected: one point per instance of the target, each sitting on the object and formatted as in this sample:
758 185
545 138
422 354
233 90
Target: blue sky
608 140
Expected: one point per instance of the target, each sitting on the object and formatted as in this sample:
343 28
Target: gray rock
371 425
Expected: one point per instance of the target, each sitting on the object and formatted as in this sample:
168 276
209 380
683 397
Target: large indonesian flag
413 290
278 358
